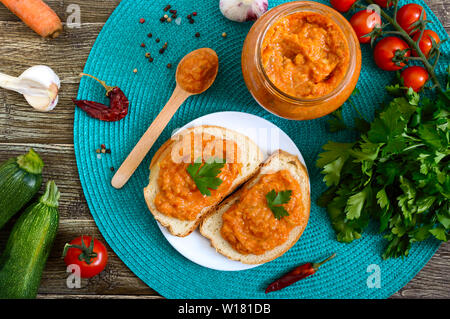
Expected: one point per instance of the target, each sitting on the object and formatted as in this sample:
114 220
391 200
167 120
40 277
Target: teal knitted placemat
122 215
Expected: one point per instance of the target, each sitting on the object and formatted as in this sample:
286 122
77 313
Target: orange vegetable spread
178 194
197 70
250 226
305 55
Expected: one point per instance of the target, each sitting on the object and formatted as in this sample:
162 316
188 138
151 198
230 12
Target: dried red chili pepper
117 110
295 275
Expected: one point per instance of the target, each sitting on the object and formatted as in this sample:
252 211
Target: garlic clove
43 78
243 10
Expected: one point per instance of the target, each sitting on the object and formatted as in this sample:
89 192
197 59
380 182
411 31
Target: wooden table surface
51 134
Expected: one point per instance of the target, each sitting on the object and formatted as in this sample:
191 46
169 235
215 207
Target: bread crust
220 244
152 188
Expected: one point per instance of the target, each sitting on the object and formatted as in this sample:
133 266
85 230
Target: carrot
37 15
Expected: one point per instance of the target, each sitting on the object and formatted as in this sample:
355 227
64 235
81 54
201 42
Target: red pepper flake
194 14
162 19
143 45
141 20
161 51
157 40
296 274
169 65
150 59
167 7
149 35
117 109
191 21
112 169
197 35
103 146
174 16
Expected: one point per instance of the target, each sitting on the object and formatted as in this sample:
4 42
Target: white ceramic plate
269 138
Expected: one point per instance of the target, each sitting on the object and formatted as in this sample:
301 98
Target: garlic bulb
243 10
38 84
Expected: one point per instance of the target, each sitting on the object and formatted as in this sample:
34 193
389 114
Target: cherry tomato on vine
409 14
385 50
425 43
88 253
383 3
342 5
414 77
363 22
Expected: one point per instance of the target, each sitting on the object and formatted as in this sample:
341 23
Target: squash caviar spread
250 226
305 55
178 195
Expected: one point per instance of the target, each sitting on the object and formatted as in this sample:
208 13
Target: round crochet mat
122 215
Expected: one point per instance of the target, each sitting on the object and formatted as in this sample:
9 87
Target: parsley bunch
396 173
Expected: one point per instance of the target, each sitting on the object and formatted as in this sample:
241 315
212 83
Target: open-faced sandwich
264 218
194 171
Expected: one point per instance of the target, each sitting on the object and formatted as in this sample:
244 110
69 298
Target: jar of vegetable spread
301 60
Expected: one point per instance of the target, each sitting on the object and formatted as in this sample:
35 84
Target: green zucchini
20 179
28 247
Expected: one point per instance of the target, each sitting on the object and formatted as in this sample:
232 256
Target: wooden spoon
195 73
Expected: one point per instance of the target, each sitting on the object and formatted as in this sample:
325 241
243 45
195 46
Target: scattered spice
191 21
103 151
169 19
103 146
150 59
224 35
141 20
169 65
197 35
189 16
166 16
97 150
194 14
149 35
143 45
157 40
112 169
117 109
162 19
108 151
295 275
161 51
173 11
174 16
135 70
167 7
147 55
165 45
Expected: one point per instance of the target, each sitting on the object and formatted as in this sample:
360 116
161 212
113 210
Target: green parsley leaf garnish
205 174
275 200
397 172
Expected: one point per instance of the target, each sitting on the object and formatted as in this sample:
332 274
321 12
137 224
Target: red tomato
409 14
91 259
385 50
363 22
414 77
383 3
425 43
342 5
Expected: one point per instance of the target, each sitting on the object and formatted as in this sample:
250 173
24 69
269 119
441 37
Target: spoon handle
147 140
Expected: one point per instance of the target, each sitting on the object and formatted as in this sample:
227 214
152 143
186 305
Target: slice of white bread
250 156
211 225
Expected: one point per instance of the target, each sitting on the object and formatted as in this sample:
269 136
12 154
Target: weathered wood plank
116 279
51 135
60 165
91 11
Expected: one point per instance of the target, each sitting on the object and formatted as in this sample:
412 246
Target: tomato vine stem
412 44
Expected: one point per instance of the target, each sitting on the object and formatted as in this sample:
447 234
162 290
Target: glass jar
272 98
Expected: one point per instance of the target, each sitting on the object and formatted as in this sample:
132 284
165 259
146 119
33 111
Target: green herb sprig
205 176
397 172
275 200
